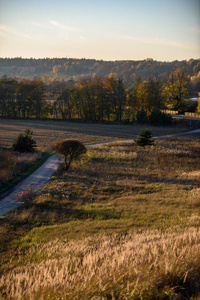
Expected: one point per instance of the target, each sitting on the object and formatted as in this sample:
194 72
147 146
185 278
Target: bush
190 106
26 198
145 138
7 160
71 149
24 142
141 117
158 118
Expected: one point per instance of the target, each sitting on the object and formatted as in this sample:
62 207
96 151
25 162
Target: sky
164 30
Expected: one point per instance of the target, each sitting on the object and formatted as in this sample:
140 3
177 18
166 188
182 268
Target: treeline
69 68
98 99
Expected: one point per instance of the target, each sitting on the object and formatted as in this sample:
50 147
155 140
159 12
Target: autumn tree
154 98
175 89
198 107
121 99
138 98
118 97
24 98
38 96
8 105
132 100
71 149
195 82
31 99
142 96
103 95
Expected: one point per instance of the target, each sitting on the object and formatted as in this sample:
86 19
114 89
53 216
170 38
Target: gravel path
37 180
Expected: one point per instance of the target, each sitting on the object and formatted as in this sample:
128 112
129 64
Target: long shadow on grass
50 212
138 177
20 221
163 180
65 212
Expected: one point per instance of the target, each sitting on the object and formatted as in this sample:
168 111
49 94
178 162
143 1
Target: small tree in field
144 138
24 142
71 149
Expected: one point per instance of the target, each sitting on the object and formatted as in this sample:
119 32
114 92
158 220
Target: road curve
37 180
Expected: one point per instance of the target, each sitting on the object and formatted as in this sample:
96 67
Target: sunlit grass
147 265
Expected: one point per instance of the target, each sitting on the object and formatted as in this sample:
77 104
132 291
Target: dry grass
132 266
12 164
122 223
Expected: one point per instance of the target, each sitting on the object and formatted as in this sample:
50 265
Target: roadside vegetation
16 166
122 223
20 159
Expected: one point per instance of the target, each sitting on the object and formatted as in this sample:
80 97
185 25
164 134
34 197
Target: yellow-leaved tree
175 89
198 107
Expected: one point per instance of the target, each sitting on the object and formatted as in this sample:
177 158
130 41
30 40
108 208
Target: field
47 133
122 223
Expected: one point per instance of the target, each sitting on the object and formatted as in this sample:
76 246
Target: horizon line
109 60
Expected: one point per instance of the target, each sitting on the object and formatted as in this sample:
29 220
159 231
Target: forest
50 69
108 97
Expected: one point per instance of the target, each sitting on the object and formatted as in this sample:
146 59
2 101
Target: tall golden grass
148 265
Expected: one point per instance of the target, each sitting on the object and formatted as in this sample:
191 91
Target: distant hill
71 68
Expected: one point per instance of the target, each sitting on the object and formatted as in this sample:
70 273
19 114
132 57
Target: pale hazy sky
100 29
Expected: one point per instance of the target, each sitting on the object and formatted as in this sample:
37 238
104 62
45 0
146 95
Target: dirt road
40 177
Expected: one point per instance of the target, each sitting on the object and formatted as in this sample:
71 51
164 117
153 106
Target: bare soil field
47 133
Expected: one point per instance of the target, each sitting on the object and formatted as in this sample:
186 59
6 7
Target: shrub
141 116
24 142
190 106
26 198
7 160
8 167
71 149
160 118
145 138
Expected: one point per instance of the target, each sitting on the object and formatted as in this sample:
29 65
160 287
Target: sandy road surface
37 180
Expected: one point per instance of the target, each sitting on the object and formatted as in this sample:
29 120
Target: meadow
122 223
14 166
